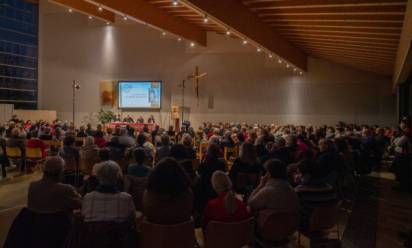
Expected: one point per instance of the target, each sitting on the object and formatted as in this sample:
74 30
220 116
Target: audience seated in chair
164 150
226 207
107 203
273 193
139 169
168 198
49 195
89 154
313 192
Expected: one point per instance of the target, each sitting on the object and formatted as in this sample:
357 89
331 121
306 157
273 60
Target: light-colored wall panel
243 84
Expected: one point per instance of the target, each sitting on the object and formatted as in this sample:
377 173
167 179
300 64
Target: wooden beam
396 31
87 9
342 36
346 40
320 3
334 18
235 15
346 24
146 12
337 43
336 10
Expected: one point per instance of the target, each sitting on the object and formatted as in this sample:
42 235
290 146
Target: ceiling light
270 55
258 50
70 10
125 18
175 2
90 17
279 61
179 39
206 19
100 8
192 44
287 65
300 73
107 23
164 33
228 32
244 42
294 69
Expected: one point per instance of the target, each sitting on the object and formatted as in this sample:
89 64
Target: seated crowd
164 177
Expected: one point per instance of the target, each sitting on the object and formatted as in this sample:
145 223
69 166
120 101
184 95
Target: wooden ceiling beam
321 3
396 31
336 9
365 35
345 38
381 55
338 18
343 24
391 45
342 54
87 9
146 12
346 45
394 39
238 17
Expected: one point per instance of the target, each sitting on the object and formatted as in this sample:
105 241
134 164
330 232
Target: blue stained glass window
18 53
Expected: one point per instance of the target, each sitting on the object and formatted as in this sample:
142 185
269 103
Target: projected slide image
140 94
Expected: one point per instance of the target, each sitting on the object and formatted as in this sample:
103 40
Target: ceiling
359 33
363 34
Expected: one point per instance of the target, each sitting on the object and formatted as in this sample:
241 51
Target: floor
376 219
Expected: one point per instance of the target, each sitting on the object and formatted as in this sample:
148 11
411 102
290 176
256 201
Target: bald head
53 167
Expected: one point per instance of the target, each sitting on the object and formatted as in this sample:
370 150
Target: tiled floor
374 221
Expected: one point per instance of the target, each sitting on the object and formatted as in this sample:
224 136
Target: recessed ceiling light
244 42
279 61
70 10
287 65
192 44
179 39
125 18
90 17
100 8
258 50
164 33
206 19
228 32
175 2
270 55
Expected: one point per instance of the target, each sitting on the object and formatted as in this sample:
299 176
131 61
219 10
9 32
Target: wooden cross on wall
197 76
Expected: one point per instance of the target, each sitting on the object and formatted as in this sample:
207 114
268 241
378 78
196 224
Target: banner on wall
108 95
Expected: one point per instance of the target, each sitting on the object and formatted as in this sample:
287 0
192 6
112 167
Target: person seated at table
168 198
128 119
151 120
82 132
46 134
107 203
49 195
139 169
226 207
35 142
140 120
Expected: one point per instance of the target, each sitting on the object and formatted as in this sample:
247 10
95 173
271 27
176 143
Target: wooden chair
275 228
202 149
230 235
323 219
14 154
54 146
80 141
171 236
34 157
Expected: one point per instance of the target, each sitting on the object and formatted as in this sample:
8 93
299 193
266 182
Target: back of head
139 155
104 154
141 139
178 151
168 178
276 168
213 152
248 154
53 168
186 139
165 139
69 141
308 167
108 173
221 184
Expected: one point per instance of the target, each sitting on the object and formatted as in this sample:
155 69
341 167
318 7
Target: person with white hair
107 203
49 195
226 207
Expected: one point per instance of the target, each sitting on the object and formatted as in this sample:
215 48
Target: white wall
243 84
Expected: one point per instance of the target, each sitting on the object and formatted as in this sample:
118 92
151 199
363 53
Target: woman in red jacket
226 207
35 142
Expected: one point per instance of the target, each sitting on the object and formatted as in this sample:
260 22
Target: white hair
108 173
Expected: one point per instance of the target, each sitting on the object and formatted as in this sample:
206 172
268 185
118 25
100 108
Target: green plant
105 116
